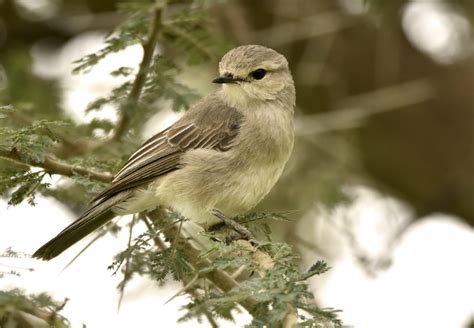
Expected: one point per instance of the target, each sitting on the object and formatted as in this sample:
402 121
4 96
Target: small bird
218 160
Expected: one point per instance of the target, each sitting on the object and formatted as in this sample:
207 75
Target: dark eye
258 74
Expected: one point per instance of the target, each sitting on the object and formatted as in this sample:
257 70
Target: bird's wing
210 124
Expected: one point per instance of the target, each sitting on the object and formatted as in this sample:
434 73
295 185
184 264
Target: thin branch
304 28
162 246
156 239
184 289
126 272
266 263
219 278
75 147
137 87
192 39
68 145
353 111
53 166
89 244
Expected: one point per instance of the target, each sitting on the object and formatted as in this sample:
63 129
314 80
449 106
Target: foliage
18 309
32 141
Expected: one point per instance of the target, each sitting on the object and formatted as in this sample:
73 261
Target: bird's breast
259 156
233 181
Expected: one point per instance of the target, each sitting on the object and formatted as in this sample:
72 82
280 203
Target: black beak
226 78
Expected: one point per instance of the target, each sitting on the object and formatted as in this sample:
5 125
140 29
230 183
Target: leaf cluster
142 258
32 141
133 30
162 83
274 290
18 309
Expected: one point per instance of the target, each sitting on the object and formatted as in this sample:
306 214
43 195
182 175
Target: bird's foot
238 230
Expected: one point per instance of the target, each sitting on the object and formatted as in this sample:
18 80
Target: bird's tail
95 217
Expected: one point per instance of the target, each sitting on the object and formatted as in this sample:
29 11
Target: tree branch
162 246
266 263
219 278
140 79
53 166
351 112
304 28
75 147
68 146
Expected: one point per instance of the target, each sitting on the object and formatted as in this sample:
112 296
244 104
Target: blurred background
380 183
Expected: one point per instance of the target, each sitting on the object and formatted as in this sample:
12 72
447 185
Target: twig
267 263
184 289
161 245
89 244
68 145
156 239
305 28
196 42
75 147
53 166
126 272
354 110
219 278
137 86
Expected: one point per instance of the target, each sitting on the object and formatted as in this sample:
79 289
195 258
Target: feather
210 124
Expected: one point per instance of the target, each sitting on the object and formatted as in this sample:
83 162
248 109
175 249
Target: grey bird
219 159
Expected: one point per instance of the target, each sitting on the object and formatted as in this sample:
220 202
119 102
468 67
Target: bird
219 160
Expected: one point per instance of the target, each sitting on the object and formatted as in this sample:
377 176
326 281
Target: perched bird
218 160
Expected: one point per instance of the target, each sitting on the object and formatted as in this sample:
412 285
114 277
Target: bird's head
254 74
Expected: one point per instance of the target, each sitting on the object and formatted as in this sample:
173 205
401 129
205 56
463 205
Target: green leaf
317 268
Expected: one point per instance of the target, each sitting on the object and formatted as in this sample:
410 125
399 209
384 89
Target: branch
162 246
137 87
68 146
304 28
267 263
219 278
192 39
53 166
353 111
75 147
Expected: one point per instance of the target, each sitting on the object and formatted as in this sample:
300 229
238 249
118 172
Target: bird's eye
258 74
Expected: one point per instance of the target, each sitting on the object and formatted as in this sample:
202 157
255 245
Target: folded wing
210 124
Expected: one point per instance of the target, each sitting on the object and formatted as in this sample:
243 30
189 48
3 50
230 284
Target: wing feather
210 124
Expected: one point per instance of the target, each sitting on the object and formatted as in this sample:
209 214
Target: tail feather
92 219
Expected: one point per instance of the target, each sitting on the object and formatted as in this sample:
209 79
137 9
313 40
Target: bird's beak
225 78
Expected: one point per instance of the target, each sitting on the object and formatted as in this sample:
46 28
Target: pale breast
264 151
236 180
